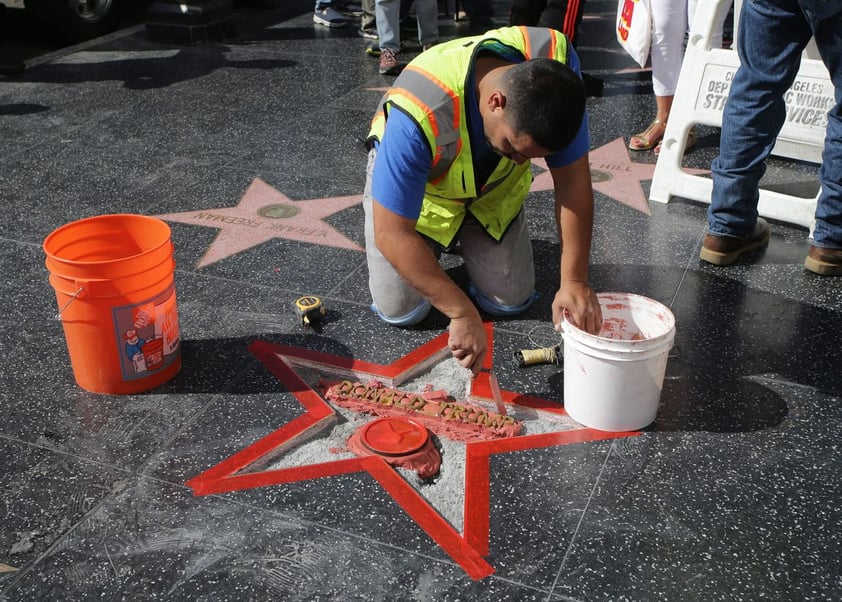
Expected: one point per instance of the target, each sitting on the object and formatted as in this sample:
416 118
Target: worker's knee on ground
404 318
502 307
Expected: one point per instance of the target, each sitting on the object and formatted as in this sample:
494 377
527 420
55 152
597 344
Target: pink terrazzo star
615 175
264 213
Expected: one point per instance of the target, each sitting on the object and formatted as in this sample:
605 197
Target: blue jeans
772 34
388 16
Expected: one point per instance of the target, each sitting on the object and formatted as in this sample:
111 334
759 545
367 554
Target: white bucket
613 381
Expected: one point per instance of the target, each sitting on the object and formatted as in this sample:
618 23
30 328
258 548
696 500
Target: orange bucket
113 277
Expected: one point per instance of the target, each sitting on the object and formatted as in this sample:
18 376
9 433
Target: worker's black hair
545 99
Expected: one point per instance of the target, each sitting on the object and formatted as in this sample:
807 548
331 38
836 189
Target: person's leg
427 14
480 15
669 21
565 16
526 12
573 18
828 231
387 13
771 38
394 301
502 274
368 22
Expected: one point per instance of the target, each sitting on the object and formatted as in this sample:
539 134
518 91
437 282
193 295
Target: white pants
669 23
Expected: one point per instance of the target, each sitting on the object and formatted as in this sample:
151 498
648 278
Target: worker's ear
497 100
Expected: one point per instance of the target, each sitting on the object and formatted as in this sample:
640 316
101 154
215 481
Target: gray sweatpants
503 272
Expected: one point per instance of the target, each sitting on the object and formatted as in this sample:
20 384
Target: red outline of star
236 237
468 548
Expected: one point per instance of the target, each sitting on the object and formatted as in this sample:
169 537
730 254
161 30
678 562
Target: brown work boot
825 262
725 250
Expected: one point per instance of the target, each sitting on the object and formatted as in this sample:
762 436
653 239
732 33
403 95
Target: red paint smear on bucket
618 329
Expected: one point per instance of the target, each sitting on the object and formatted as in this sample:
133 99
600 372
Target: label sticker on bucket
147 335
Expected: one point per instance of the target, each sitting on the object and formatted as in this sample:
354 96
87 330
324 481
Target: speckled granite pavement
732 494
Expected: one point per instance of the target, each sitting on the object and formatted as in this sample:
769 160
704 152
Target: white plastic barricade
699 99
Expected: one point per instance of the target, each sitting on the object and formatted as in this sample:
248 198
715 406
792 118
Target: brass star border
468 548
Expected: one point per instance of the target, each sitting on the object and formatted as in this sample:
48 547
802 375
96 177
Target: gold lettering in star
228 219
615 167
312 232
278 211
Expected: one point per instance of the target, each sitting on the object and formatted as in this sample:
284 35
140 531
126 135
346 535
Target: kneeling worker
451 144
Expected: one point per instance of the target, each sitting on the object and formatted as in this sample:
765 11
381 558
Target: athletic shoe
329 18
824 262
725 250
368 34
388 62
373 51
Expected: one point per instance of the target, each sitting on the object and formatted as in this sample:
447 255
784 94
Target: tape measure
310 309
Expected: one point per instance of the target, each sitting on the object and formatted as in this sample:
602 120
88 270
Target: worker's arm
399 242
574 207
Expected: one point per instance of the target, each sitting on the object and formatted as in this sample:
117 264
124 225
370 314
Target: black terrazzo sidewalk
732 494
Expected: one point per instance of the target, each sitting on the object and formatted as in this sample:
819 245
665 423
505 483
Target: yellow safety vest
431 90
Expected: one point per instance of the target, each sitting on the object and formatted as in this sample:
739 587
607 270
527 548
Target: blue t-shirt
403 155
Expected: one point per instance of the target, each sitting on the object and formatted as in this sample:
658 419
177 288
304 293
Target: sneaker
368 34
725 250
825 262
329 18
373 51
388 62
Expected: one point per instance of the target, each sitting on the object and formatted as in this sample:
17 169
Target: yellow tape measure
310 309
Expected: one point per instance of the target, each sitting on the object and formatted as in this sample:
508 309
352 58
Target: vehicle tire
77 20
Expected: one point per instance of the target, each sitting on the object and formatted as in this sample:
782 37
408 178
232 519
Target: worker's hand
581 304
468 341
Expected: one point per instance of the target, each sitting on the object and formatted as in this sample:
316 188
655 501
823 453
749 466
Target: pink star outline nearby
615 175
264 213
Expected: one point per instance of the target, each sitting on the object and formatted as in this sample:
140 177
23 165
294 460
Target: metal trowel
495 390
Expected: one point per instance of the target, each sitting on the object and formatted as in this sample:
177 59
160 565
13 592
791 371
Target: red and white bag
634 28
